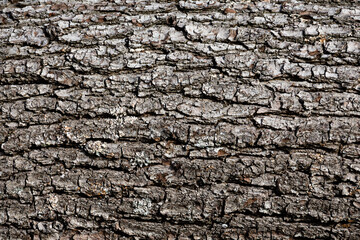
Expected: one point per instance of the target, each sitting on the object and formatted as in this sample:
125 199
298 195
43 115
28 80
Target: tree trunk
159 119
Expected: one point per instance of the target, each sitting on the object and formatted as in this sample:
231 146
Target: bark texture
155 119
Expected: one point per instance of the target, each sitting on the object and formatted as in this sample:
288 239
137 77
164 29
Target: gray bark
158 119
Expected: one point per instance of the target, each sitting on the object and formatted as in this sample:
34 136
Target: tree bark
159 119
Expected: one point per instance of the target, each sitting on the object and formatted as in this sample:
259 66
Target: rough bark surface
157 119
